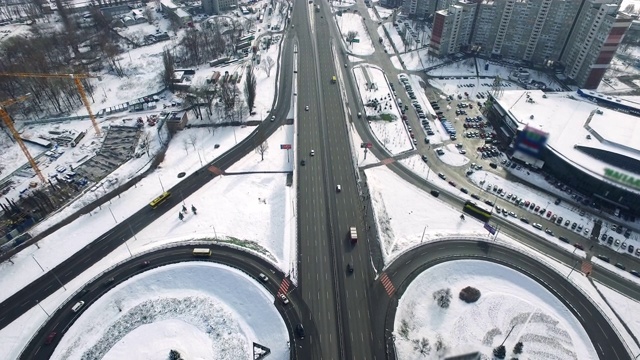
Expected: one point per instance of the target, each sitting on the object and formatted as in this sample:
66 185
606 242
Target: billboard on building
531 141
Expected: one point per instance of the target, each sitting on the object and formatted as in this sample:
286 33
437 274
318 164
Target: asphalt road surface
49 282
61 320
408 266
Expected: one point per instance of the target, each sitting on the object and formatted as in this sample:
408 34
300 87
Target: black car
302 162
435 193
464 190
300 331
349 268
475 196
488 202
563 239
603 258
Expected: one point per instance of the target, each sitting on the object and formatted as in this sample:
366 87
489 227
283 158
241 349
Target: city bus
477 211
201 252
160 199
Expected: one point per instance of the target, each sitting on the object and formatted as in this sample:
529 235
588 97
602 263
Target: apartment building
423 9
581 35
216 6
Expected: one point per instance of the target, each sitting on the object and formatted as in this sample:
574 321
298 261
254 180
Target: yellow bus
160 199
201 252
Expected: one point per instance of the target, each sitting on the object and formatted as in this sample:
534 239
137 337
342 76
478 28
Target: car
554 217
263 277
435 193
537 209
145 263
638 251
549 232
586 232
563 239
349 268
573 226
300 331
312 153
442 176
524 220
283 298
537 226
425 158
526 203
488 202
359 114
579 229
306 108
630 249
567 222
616 243
50 338
579 246
475 196
610 240
302 162
77 306
426 140
549 213
559 220
634 273
273 118
603 258
512 214
465 191
462 151
338 188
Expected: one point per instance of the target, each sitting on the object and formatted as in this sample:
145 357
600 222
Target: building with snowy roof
592 148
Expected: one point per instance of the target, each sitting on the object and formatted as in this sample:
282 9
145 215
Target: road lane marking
386 283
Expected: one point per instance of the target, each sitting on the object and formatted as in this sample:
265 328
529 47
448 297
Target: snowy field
508 301
203 310
391 133
350 22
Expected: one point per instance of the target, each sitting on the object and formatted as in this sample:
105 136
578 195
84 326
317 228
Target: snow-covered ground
509 303
201 309
350 22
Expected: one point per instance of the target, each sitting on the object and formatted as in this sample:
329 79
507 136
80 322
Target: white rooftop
569 118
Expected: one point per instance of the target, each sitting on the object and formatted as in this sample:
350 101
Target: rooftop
578 129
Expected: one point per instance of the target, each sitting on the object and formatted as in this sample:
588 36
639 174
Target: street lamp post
45 311
574 264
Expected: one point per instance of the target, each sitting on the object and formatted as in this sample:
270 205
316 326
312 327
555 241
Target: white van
77 306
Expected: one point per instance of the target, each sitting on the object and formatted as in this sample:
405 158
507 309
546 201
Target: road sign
490 228
285 146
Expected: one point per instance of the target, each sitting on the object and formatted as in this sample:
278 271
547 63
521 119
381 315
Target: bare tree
148 13
145 140
169 66
250 84
185 145
351 35
262 149
193 139
267 64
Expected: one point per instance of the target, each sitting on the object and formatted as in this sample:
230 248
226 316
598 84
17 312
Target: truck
354 234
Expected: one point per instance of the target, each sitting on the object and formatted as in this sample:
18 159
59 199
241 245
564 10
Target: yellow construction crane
12 129
76 78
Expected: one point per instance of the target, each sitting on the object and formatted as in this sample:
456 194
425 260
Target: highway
49 282
61 320
345 314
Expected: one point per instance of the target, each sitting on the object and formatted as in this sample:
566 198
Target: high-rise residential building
216 6
593 42
581 35
423 9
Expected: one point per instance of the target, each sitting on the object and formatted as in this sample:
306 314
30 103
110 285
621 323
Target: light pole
52 273
574 264
162 186
214 231
45 311
113 216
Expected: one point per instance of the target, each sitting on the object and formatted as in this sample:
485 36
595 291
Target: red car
537 209
579 246
548 213
50 338
526 203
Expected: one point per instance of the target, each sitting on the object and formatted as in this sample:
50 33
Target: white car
312 153
306 108
284 299
273 118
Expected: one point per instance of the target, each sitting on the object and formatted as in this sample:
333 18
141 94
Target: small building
176 13
113 12
176 121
